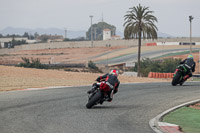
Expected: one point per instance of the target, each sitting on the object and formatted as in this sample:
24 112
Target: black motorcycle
180 72
100 95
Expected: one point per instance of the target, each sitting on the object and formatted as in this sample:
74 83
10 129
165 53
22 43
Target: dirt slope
13 78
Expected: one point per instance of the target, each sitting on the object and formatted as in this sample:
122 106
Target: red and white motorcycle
100 95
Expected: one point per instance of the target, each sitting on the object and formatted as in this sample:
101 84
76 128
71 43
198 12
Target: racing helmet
114 72
190 56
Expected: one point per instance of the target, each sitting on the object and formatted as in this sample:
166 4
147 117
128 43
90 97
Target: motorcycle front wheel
176 79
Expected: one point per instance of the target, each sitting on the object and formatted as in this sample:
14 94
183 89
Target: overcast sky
172 15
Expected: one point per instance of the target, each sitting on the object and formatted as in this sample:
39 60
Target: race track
133 57
63 110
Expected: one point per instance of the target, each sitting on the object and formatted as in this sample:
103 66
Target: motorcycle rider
111 82
189 65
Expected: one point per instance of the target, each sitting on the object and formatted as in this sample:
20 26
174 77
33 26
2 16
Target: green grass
187 118
196 79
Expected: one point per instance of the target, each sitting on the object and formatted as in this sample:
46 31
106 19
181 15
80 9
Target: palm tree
139 23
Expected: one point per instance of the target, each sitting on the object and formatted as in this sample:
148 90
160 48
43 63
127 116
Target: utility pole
102 18
190 19
95 33
199 61
91 32
65 33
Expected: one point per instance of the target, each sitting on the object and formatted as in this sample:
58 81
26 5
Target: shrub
164 66
93 66
34 63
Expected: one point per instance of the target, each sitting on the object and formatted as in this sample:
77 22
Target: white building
106 34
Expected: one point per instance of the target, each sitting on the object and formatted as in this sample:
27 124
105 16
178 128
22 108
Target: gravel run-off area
16 78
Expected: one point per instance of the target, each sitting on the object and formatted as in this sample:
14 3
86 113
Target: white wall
2 44
167 43
80 44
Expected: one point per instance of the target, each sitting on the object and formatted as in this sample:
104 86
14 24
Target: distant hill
57 31
164 35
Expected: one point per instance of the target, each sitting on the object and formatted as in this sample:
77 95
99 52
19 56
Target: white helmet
114 72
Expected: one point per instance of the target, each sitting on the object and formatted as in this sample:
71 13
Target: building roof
106 30
115 36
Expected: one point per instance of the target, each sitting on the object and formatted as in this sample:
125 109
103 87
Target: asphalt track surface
133 57
63 110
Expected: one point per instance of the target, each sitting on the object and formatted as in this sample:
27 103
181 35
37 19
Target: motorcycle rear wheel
94 100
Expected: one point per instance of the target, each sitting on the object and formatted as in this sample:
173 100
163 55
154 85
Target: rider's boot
110 96
109 99
186 77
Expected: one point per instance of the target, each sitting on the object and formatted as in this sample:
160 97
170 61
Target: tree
16 42
26 35
44 38
36 35
139 23
98 29
1 36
